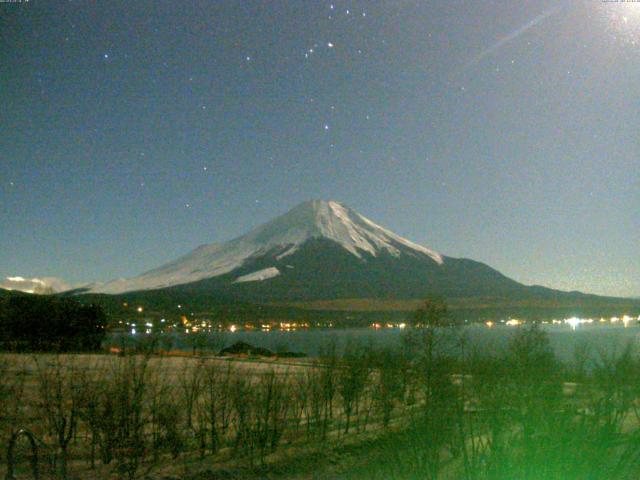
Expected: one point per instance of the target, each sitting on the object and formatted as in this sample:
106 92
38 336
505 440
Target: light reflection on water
563 338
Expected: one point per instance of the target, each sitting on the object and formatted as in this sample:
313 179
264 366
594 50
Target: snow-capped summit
282 237
343 225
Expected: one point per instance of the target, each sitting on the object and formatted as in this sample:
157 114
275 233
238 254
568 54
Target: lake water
608 338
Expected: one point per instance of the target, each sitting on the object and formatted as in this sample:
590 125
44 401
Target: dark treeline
47 323
159 304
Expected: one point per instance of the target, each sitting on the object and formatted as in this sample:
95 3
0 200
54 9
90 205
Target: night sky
503 131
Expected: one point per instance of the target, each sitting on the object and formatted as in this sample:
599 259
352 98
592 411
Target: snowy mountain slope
322 269
281 237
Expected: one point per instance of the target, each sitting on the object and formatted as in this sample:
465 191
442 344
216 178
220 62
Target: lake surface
598 338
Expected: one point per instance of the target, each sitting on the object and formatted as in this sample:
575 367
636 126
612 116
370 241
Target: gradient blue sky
503 131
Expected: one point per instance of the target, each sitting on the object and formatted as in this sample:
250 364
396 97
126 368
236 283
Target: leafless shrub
59 403
389 385
166 422
352 376
90 392
299 398
190 381
217 402
243 409
272 407
125 414
12 400
315 402
327 368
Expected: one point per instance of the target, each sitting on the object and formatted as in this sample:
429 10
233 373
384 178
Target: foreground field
411 413
99 416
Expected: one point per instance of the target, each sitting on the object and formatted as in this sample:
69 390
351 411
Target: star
326 127
106 55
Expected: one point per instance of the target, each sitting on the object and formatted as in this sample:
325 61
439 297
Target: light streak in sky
510 37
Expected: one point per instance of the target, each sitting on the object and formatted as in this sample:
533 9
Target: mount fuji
324 251
321 258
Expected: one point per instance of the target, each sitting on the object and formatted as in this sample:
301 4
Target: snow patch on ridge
259 276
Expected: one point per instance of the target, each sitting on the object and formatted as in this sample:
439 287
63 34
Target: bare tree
12 399
60 402
389 386
217 405
352 376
